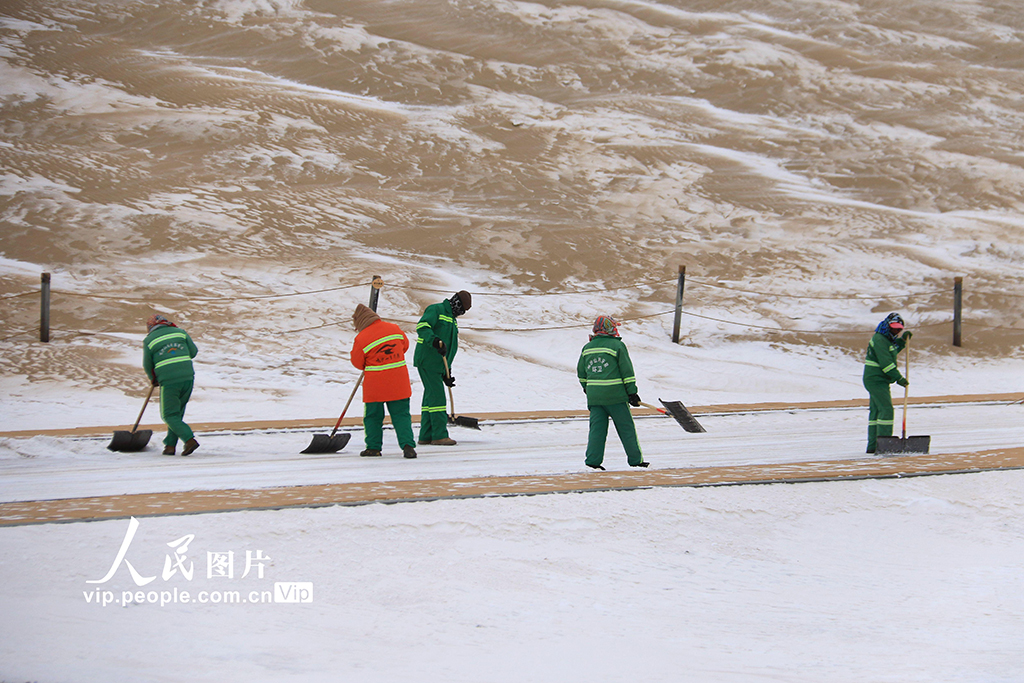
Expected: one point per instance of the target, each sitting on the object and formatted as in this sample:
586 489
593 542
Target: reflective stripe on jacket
437 322
379 350
605 371
167 354
880 365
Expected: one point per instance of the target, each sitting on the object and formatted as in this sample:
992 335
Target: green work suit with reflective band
373 423
606 373
437 322
879 372
167 354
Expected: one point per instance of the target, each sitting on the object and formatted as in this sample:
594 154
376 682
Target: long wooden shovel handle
660 410
144 404
348 403
448 371
906 389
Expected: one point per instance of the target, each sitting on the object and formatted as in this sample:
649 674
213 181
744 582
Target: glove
449 380
907 334
441 348
902 381
634 400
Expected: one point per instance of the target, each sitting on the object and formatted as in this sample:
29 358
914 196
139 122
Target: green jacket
880 366
167 354
606 372
437 322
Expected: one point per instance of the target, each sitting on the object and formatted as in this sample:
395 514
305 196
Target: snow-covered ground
883 580
895 580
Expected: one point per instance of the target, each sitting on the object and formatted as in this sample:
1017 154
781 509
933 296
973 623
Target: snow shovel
458 420
136 439
678 411
334 442
894 445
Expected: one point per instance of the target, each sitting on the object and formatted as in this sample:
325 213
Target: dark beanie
364 317
466 299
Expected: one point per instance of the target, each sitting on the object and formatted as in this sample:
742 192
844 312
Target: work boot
168 450
370 453
409 452
424 442
446 441
190 446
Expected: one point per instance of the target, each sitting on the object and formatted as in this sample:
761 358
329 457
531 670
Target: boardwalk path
358 493
194 502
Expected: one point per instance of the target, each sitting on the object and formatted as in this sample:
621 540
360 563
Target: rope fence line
18 296
72 333
180 298
207 299
377 283
595 290
587 323
718 285
17 334
466 328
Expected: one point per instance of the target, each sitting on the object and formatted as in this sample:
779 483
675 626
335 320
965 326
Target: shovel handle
144 404
451 399
348 403
660 410
906 389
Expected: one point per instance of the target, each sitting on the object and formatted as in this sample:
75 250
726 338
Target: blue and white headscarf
891 326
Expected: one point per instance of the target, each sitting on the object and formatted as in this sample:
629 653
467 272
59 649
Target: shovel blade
325 443
129 442
895 445
468 422
678 411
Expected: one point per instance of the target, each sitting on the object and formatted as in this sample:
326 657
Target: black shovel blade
895 445
463 421
678 411
325 443
130 441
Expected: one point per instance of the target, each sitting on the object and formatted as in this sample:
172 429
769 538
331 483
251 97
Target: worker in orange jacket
379 351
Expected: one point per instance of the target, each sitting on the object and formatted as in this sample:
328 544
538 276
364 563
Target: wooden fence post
679 304
375 291
44 309
958 302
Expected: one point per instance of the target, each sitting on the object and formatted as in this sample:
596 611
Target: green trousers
433 412
623 419
373 423
173 399
881 416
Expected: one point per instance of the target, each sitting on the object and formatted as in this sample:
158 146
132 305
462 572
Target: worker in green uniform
437 341
880 371
606 373
167 354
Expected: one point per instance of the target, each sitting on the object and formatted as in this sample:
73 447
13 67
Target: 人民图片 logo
179 566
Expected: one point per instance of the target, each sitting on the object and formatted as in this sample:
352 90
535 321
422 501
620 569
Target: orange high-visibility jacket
380 351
